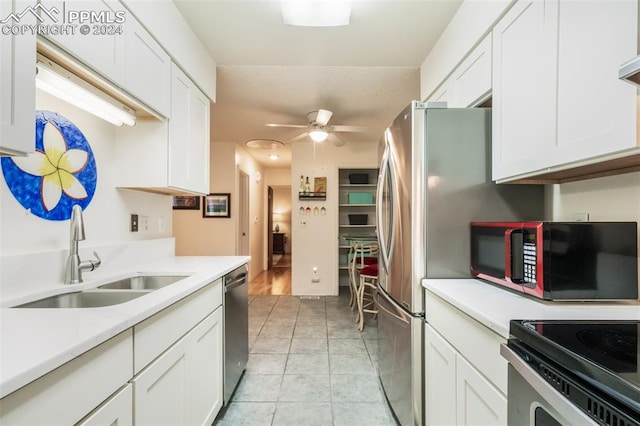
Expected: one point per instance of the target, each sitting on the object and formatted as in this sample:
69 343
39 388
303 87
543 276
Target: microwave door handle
514 255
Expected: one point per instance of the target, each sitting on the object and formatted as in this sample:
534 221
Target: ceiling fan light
316 13
318 135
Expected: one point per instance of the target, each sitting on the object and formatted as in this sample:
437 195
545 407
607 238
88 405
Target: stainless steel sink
85 299
143 282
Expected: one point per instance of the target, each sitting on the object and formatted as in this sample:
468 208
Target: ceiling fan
318 128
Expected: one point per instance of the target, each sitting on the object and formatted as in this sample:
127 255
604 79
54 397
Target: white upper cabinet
188 135
472 78
470 83
170 157
102 48
524 108
557 99
120 51
147 68
17 85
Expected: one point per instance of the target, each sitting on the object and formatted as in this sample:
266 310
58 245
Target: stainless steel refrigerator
435 178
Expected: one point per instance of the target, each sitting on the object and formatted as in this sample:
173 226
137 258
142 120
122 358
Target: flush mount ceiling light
264 144
316 13
274 156
318 135
65 85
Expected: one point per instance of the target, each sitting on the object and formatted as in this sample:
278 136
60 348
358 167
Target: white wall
315 238
106 217
198 236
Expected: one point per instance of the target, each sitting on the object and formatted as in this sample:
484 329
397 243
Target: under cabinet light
316 13
66 86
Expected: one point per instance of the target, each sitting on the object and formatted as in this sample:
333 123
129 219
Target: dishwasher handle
236 282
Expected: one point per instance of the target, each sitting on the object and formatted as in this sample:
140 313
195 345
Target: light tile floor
308 365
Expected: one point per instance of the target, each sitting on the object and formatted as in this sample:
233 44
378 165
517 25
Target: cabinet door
17 84
188 135
161 391
472 78
148 68
596 111
117 410
103 47
440 379
478 401
524 87
205 369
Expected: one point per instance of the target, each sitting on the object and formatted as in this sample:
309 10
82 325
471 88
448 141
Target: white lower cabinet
440 379
205 369
184 385
116 411
456 393
166 370
478 402
67 394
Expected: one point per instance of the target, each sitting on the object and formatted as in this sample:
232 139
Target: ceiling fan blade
295 126
336 141
300 137
323 117
344 128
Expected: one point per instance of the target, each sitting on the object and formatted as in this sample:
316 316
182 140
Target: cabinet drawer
68 393
475 342
157 333
117 410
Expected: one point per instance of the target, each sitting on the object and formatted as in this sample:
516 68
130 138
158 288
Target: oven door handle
572 414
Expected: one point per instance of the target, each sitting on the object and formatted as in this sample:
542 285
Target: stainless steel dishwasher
236 329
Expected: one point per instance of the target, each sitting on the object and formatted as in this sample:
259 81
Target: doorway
243 215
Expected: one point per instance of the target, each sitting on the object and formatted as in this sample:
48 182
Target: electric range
593 364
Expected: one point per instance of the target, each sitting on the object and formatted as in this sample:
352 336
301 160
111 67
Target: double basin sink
112 293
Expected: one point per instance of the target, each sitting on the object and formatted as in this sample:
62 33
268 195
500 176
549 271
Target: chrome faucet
74 268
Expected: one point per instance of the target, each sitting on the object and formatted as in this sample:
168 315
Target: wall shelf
350 233
314 196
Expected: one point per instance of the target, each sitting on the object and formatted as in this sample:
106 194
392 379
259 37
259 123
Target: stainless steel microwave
558 260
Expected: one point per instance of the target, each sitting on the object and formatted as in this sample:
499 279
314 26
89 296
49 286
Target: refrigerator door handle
382 237
387 300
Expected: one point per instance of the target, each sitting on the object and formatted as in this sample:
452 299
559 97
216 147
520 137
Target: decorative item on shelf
277 218
320 185
358 219
307 186
216 205
301 187
360 198
189 202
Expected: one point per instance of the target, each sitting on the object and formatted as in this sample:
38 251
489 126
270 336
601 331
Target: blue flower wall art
59 174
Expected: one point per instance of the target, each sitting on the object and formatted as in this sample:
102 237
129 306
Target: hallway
275 281
308 365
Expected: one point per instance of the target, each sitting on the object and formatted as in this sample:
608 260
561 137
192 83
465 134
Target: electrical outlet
161 225
315 278
580 217
134 223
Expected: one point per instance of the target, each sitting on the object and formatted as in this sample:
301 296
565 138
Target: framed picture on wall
216 205
186 202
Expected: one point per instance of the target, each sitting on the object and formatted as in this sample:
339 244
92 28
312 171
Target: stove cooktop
603 354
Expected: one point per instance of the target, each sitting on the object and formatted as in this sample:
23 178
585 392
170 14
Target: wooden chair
361 254
366 293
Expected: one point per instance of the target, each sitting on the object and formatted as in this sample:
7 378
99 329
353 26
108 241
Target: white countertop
494 307
34 341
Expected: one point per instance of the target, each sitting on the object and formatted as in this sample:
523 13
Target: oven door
532 401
